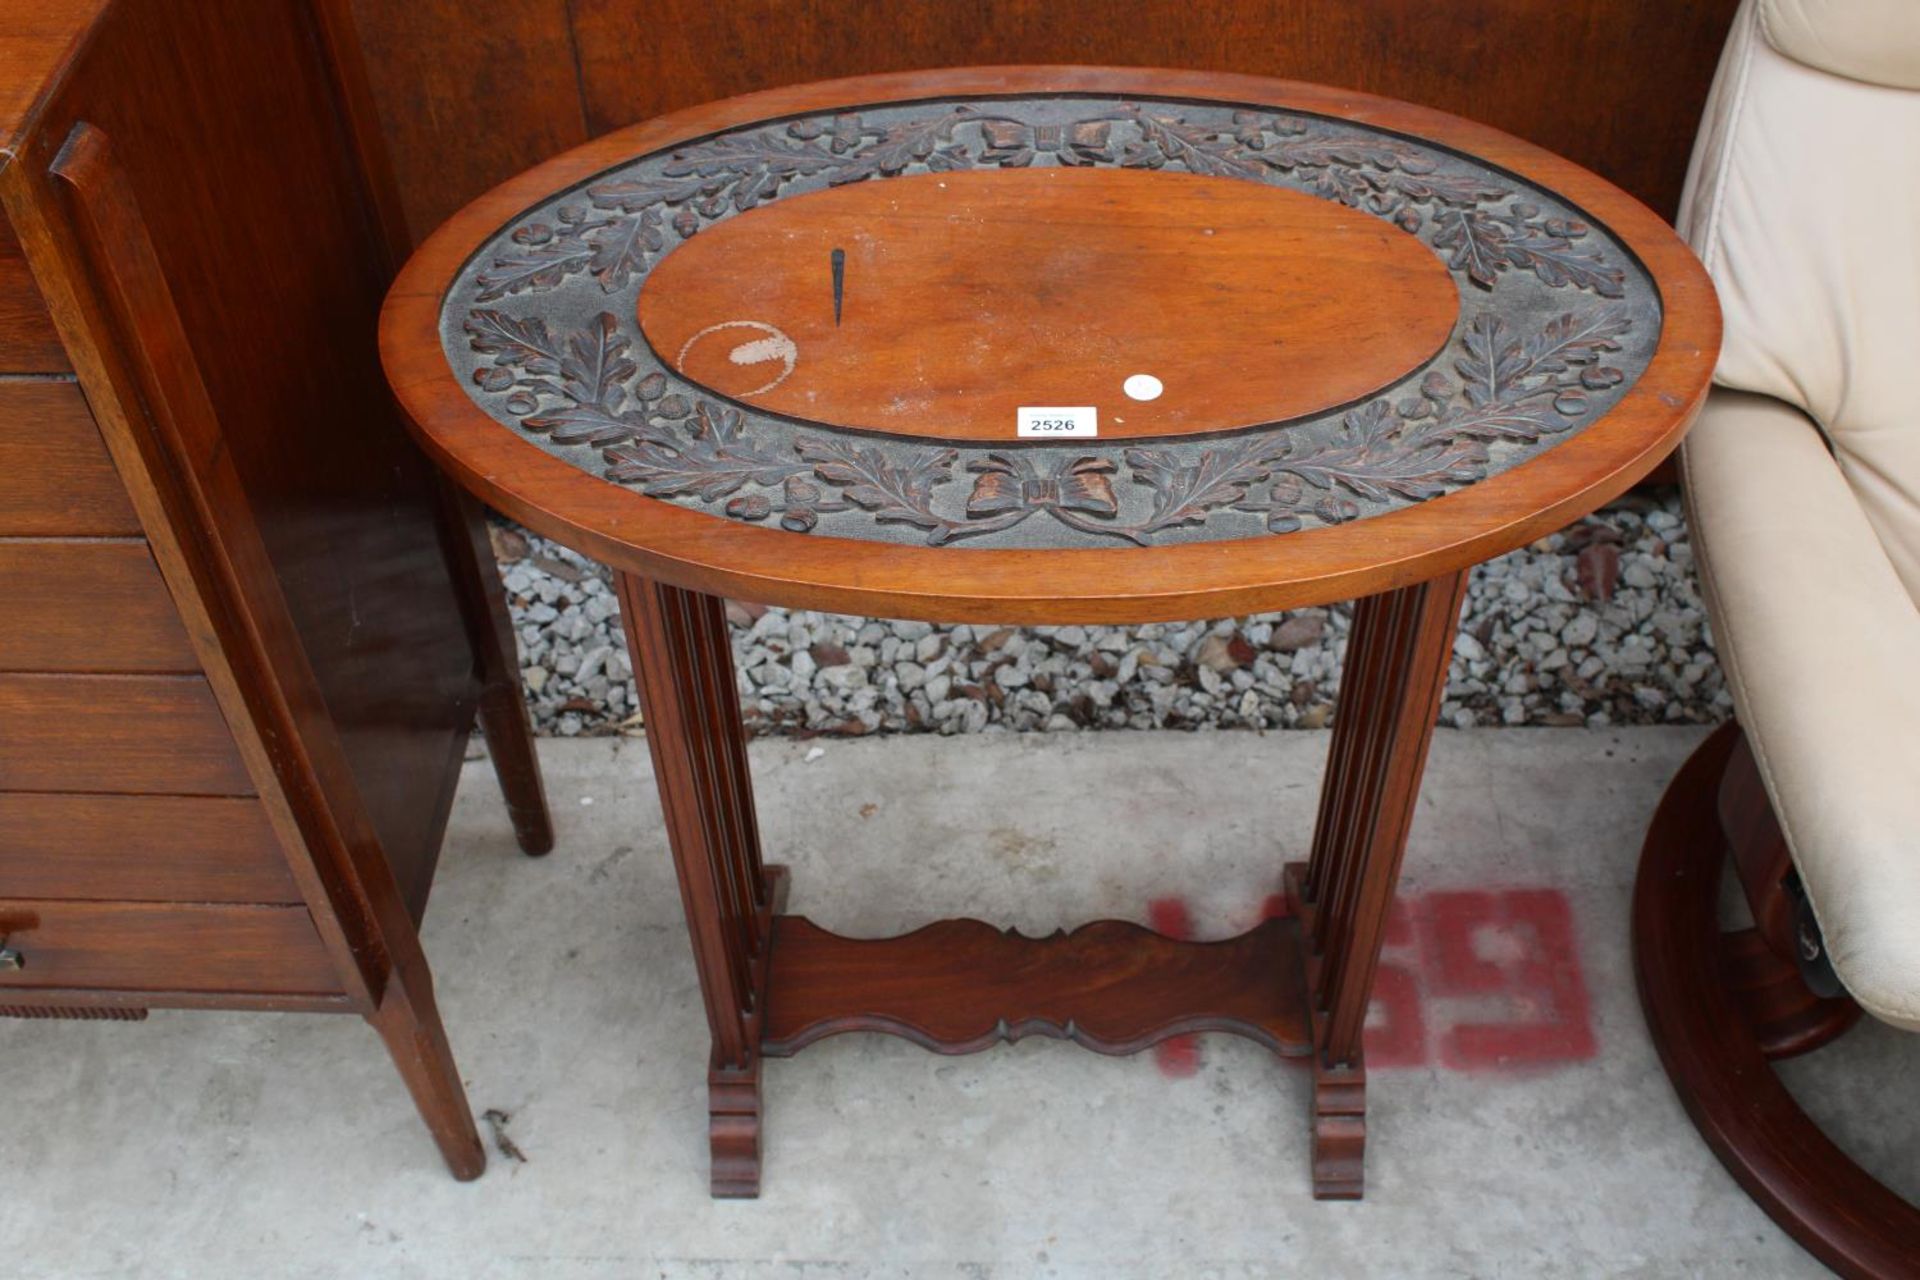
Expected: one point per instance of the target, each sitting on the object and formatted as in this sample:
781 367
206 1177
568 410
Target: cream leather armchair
1803 489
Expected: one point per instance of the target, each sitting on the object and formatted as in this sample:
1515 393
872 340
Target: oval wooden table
1048 345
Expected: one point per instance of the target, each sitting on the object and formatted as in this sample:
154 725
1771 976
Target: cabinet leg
509 733
503 708
409 1023
684 663
1396 671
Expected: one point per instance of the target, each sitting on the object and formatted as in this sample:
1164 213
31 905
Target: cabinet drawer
87 606
141 734
141 848
28 343
55 476
138 946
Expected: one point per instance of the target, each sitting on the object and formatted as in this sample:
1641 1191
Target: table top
1051 345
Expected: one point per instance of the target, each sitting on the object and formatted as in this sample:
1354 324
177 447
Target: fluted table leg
684 665
1396 670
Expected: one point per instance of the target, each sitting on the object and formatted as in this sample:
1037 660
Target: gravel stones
1599 624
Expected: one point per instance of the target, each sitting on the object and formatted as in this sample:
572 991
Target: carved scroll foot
1339 1130
733 1093
733 1131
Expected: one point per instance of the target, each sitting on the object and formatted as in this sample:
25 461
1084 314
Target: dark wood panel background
473 91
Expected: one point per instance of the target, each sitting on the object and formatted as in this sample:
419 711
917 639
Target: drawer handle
10 959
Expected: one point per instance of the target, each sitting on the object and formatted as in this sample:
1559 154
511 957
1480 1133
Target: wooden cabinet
244 631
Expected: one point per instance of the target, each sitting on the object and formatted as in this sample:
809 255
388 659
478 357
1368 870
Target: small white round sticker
1142 386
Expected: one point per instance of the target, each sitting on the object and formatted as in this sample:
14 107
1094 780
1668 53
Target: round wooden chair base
1719 1065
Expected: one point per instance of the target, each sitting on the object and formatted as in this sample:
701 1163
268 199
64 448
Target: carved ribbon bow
1010 487
1014 144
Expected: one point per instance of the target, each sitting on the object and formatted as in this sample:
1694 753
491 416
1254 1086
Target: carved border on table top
1519 368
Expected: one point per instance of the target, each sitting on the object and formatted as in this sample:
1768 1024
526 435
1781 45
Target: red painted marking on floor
1179 1057
1399 925
1396 1034
1514 949
1170 916
1473 980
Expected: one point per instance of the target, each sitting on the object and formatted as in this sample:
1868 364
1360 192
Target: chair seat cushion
1820 642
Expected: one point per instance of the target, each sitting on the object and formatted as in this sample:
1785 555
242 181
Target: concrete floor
1528 1130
